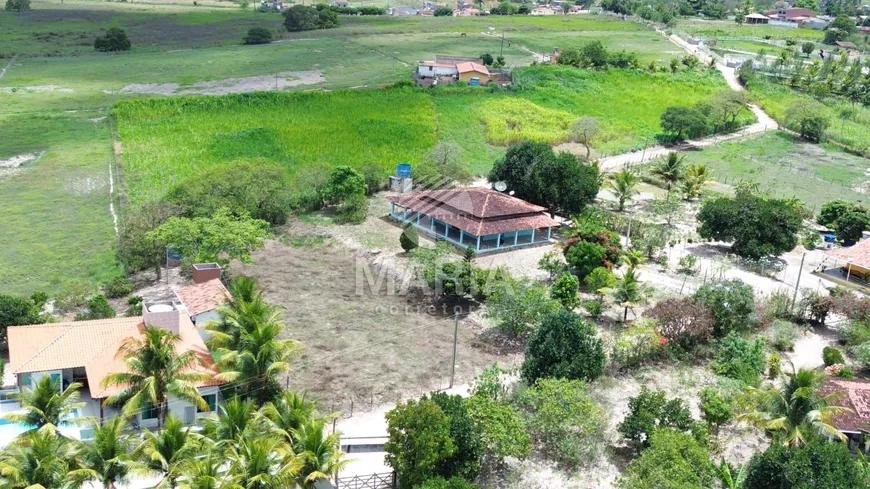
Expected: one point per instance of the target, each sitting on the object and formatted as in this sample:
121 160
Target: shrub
353 210
807 48
16 311
553 264
503 429
114 39
134 307
684 122
777 305
584 257
856 333
862 355
443 12
258 35
519 306
418 440
466 435
818 464
684 322
563 420
817 305
782 334
832 355
673 460
716 409
564 290
599 278
117 287
451 483
731 302
638 344
594 307
563 346
741 359
410 238
651 410
17 5
98 308
688 263
304 18
344 183
774 366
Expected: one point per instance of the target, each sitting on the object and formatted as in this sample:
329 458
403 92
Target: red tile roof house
205 295
87 352
853 394
481 218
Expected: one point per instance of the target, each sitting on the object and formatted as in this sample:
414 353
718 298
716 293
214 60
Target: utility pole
455 339
798 281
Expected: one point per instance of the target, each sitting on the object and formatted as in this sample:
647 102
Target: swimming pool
10 430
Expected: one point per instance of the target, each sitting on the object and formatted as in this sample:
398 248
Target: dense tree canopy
114 39
564 346
757 226
820 464
305 18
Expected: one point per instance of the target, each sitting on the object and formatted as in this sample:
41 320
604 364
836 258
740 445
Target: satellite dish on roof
500 186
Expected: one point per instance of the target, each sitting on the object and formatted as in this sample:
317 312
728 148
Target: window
25 381
211 400
151 413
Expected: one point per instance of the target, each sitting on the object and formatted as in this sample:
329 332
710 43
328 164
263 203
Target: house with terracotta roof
790 14
470 70
482 218
458 67
848 265
87 352
854 395
205 295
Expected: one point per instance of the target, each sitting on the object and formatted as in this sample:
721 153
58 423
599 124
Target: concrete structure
756 19
456 67
88 351
546 10
481 218
816 23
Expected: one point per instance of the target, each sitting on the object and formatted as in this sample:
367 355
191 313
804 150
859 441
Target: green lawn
787 167
729 28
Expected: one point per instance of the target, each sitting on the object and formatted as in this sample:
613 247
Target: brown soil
361 349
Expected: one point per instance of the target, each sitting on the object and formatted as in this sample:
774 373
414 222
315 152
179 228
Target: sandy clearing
278 81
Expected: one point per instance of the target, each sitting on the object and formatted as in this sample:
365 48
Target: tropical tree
169 451
796 410
289 413
624 185
234 421
47 405
155 369
262 463
205 473
670 169
320 454
694 179
628 291
109 457
41 460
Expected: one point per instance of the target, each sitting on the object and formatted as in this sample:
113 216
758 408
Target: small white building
434 69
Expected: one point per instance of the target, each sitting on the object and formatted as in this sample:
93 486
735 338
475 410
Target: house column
405 215
446 229
393 209
516 235
478 243
418 218
461 236
848 271
533 235
549 233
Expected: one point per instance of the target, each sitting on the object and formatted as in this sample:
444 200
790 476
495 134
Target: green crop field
854 132
787 167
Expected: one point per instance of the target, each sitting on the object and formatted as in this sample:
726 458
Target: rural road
764 121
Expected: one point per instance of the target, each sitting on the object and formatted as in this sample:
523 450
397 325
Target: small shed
756 19
469 70
846 45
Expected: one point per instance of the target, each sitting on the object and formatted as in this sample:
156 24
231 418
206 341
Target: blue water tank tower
403 170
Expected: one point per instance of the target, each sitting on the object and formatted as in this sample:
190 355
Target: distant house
576 9
846 45
87 352
756 19
466 12
469 70
434 5
816 23
481 218
791 14
546 10
340 3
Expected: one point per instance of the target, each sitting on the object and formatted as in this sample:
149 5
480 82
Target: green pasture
853 132
729 28
787 167
56 227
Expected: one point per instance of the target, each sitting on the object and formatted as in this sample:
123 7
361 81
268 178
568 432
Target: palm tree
155 369
38 460
624 186
234 420
320 454
796 410
633 257
205 473
109 457
169 450
262 463
628 291
47 405
289 413
694 179
670 169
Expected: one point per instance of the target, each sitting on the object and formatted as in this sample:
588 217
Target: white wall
433 71
179 408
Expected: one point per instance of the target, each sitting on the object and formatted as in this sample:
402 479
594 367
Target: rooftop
858 254
204 297
471 66
853 394
92 345
479 211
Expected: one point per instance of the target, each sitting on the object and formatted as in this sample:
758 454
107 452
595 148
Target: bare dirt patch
280 81
361 347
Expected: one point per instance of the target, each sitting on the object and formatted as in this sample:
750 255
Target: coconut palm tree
155 369
628 291
289 413
38 460
205 473
109 457
796 410
243 313
694 179
47 405
169 450
319 452
234 420
624 185
262 463
633 257
670 169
